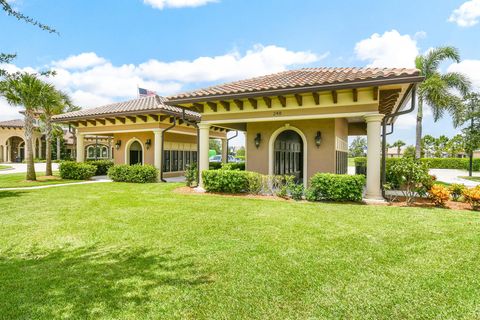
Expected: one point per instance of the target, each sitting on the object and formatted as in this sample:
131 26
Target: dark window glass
166 161
180 161
174 160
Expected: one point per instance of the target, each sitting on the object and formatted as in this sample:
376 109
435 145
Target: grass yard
124 251
4 167
16 180
477 179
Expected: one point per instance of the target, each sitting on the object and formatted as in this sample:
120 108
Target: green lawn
3 167
471 178
125 251
15 180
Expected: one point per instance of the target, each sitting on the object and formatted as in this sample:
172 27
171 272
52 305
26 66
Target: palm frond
436 56
459 81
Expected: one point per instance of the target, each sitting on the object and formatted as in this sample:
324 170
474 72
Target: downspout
236 135
413 90
163 145
195 125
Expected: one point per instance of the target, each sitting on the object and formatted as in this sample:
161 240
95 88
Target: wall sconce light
118 144
258 139
148 143
318 139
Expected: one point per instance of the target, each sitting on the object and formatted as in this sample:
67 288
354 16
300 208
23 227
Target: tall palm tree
398 144
436 90
28 91
54 102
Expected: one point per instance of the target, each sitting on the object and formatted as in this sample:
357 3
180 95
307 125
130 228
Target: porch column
157 149
80 147
204 138
373 156
224 150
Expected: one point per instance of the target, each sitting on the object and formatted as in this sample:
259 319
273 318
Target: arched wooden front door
288 153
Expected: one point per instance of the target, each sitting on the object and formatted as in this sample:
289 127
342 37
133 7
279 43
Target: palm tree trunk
48 149
418 138
29 145
58 148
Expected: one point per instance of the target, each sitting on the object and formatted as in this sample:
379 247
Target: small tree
358 147
412 177
409 152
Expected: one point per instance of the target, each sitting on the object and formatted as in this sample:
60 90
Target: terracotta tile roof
151 104
308 77
16 123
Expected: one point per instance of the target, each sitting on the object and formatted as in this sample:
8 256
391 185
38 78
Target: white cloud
467 14
81 61
390 49
92 80
471 68
161 4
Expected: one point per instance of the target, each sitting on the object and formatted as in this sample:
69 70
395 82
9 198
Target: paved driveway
452 176
22 167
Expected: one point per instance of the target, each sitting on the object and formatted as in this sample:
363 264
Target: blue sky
106 48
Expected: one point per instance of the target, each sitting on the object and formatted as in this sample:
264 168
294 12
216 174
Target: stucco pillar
204 138
224 150
80 147
374 150
157 149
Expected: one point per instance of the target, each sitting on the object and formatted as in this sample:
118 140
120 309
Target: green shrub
456 190
228 181
191 172
336 187
102 166
411 177
135 174
296 191
227 166
76 170
255 185
451 163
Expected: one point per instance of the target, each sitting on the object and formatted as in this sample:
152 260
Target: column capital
204 125
375 117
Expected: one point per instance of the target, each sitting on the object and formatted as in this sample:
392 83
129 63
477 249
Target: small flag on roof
145 92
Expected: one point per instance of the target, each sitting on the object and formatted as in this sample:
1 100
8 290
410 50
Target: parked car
218 158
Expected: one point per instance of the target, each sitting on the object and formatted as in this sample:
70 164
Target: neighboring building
476 154
143 131
296 122
12 143
392 152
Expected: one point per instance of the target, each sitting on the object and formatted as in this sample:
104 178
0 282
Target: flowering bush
439 195
472 196
456 190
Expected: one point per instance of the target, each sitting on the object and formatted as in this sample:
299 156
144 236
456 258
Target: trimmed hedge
336 187
135 174
432 163
102 166
230 165
76 170
228 181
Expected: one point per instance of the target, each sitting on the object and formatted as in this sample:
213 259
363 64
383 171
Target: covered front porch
303 129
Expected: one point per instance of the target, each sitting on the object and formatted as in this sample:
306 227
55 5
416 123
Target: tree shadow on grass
92 283
10 194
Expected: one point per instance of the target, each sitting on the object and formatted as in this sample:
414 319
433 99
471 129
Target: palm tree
436 89
28 91
398 144
55 102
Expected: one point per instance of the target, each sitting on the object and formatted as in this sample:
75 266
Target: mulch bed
399 201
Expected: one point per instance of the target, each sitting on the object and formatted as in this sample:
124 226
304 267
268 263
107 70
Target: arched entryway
288 155
287 143
134 153
15 149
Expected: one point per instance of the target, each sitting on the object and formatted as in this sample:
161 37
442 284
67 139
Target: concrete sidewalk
22 167
97 179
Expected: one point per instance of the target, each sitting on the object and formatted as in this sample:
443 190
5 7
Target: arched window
100 152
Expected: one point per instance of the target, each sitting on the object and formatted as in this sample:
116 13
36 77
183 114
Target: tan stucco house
296 122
